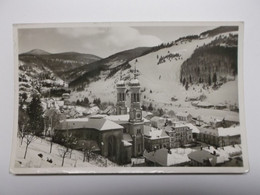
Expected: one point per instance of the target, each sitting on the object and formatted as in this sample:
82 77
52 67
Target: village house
231 120
158 122
211 156
203 158
155 138
220 106
184 117
220 137
180 134
168 157
204 105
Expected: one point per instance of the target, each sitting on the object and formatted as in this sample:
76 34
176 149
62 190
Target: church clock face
138 115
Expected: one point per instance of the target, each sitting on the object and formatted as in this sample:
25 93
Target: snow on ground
160 82
228 90
42 146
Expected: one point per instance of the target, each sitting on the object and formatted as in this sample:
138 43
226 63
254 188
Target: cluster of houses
124 133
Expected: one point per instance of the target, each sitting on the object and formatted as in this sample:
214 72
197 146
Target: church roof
134 82
127 137
100 124
121 119
120 83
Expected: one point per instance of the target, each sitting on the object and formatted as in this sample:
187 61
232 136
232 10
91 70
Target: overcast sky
100 41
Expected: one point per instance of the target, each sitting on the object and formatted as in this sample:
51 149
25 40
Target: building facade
220 137
155 139
179 134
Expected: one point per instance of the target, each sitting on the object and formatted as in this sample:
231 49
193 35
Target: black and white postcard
127 98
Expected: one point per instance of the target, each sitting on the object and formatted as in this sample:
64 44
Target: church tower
136 123
121 97
135 106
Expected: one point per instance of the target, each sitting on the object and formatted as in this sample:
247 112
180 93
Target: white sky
101 41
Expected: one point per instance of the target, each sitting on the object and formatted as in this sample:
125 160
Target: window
138 98
139 147
139 131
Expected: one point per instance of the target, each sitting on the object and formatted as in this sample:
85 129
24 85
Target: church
118 137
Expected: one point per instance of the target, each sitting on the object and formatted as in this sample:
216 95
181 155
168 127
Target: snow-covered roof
124 118
221 105
204 104
202 155
211 119
100 124
126 143
193 128
120 83
181 114
231 131
175 126
146 113
234 118
154 133
49 81
134 82
92 110
224 153
127 137
157 119
209 131
221 132
166 158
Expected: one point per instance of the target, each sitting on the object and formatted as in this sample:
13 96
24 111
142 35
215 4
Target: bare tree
68 141
23 120
29 138
25 131
88 146
53 119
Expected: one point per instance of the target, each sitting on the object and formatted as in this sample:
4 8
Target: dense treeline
214 63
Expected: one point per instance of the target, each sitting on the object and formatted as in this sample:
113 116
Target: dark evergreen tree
183 81
97 101
35 112
187 86
150 107
160 111
214 78
209 81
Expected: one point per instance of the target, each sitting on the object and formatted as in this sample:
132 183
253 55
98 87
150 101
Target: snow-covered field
42 146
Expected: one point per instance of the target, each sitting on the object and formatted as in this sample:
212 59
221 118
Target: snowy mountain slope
150 72
160 81
111 64
60 64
